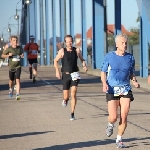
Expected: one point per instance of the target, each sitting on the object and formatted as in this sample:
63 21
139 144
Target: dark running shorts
68 82
14 74
110 97
32 61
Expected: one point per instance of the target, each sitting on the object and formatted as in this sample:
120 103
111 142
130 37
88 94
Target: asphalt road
39 122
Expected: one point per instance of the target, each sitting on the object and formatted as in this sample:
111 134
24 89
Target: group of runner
117 70
13 53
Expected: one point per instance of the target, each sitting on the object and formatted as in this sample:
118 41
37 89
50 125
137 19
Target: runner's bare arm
133 77
103 79
6 55
134 80
5 47
149 79
22 55
58 57
81 58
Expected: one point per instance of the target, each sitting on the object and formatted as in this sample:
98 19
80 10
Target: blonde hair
121 35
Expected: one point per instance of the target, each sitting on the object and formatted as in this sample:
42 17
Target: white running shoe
120 144
17 97
64 103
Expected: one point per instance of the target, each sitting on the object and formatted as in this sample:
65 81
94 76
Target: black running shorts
110 97
14 73
68 82
32 61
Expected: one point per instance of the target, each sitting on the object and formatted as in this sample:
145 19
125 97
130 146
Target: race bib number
16 58
75 76
34 52
120 90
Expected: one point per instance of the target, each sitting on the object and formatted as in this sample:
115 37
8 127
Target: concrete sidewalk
39 122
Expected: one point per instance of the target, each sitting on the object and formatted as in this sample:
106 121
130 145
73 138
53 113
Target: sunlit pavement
39 122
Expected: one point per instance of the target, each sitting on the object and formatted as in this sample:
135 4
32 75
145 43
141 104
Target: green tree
134 37
111 40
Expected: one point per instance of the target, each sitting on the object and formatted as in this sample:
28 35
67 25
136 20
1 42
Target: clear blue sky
7 13
129 14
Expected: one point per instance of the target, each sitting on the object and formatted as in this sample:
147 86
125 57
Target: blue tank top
118 69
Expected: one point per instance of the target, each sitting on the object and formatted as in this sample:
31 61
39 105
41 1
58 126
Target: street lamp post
9 29
2 38
17 18
27 2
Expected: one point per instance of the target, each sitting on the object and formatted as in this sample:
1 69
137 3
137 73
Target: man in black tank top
70 76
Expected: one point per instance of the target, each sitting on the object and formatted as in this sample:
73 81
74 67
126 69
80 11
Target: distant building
110 30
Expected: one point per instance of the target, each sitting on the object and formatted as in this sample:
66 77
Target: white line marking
46 82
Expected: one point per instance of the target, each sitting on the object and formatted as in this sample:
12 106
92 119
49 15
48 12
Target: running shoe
17 97
10 93
34 79
109 130
72 117
120 144
64 103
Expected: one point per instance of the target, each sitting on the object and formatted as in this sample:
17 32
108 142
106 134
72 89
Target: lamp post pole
2 38
17 18
27 2
9 29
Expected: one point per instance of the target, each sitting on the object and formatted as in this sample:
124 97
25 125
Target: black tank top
69 61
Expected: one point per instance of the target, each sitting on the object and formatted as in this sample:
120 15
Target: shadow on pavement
40 83
94 143
23 134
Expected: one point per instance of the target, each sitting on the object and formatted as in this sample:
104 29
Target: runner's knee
113 118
